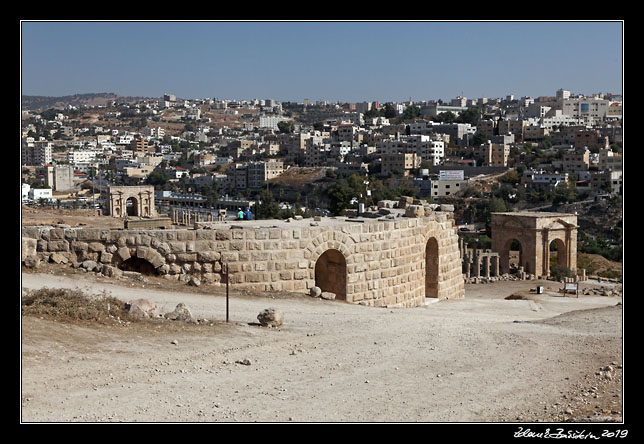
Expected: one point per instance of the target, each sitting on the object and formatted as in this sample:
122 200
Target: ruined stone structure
479 262
391 261
535 232
141 199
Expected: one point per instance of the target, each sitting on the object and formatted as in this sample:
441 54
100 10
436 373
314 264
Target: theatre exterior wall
385 258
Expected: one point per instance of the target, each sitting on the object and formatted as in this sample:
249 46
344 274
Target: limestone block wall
385 259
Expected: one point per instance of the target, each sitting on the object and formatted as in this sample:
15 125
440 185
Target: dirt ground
484 358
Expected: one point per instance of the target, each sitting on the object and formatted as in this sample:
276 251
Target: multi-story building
59 177
535 132
608 160
516 127
576 160
591 139
426 147
258 173
534 180
400 163
76 157
269 121
493 154
140 145
36 152
607 181
447 187
347 133
588 109
487 128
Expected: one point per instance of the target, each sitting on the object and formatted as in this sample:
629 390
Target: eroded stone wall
385 258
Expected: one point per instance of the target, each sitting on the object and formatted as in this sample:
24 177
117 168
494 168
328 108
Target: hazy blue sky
347 61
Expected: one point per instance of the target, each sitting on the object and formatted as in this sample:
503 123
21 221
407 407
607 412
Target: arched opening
132 207
558 266
139 265
331 273
515 255
431 268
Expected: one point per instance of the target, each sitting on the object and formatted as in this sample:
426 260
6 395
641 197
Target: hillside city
318 158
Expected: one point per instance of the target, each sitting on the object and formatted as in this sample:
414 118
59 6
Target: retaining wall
385 258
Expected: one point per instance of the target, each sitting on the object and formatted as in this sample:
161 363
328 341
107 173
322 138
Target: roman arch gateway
135 201
535 233
386 261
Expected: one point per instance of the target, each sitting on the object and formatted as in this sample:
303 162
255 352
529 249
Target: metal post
227 288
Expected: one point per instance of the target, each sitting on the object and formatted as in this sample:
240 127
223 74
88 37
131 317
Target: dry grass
74 305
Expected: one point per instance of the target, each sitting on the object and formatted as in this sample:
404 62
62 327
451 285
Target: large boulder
415 211
180 313
28 247
89 265
405 201
271 317
143 308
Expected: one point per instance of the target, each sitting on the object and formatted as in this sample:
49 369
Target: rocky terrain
484 358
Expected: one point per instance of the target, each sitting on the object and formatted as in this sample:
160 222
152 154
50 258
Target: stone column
495 265
477 264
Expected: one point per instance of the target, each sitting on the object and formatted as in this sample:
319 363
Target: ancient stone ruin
383 260
535 233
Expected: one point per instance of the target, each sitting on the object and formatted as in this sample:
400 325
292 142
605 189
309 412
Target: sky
335 61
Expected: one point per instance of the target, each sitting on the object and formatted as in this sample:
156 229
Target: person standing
248 214
240 214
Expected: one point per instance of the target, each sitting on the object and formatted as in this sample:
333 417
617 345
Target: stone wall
385 259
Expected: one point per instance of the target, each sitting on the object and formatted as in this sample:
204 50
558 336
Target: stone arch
141 197
432 268
507 258
132 206
331 273
535 231
330 240
560 248
141 265
138 254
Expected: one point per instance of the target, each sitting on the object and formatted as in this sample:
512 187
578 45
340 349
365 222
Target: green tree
411 112
156 178
340 195
286 126
471 116
267 208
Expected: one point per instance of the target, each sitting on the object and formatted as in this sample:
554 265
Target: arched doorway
431 268
513 253
331 273
137 264
558 261
132 206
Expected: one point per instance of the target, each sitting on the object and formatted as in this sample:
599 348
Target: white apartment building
82 156
270 121
25 191
157 132
587 109
124 139
539 180
36 194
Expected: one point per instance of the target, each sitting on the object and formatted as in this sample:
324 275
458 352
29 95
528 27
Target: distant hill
40 103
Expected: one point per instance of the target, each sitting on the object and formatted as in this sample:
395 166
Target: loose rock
271 317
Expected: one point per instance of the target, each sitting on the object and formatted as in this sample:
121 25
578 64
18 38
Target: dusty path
480 359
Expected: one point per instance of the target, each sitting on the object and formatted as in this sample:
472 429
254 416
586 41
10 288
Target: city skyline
333 61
